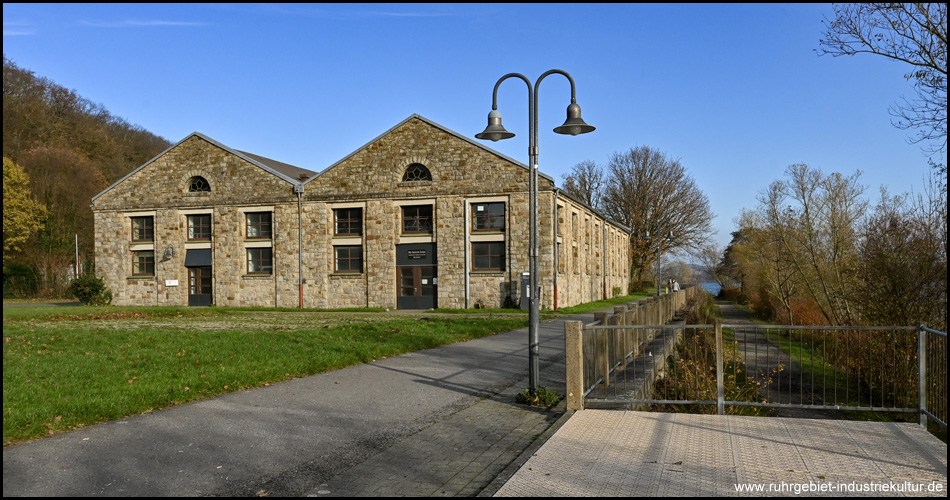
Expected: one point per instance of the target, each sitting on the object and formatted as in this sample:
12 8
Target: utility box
525 290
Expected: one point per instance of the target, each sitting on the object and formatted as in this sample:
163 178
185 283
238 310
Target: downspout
298 188
214 272
603 244
365 245
557 193
508 254
465 251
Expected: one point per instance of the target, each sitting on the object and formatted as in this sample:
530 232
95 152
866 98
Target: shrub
90 290
704 311
20 281
540 397
642 287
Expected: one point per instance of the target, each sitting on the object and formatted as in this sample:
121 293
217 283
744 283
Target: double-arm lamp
574 125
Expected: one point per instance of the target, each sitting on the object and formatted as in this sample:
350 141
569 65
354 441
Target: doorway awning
198 257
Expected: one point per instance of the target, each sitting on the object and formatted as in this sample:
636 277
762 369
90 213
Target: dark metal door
199 286
418 287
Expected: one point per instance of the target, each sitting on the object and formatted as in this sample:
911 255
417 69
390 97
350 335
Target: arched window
198 184
416 172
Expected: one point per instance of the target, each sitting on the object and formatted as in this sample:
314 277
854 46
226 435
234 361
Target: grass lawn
600 304
65 368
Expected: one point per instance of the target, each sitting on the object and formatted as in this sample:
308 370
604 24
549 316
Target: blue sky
735 92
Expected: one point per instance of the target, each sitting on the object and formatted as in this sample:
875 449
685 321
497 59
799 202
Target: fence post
622 312
922 375
607 342
600 343
720 390
574 364
636 318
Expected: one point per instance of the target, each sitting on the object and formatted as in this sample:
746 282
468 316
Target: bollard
574 364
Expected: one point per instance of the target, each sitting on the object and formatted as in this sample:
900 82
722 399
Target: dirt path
765 361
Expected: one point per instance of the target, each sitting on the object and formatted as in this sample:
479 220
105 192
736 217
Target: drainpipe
465 251
603 246
298 188
557 194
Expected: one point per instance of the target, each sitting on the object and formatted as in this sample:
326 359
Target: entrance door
418 287
199 286
417 276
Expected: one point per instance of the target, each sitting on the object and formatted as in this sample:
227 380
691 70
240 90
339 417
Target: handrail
612 343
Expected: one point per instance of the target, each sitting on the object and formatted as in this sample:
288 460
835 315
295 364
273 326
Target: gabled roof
289 173
440 127
577 199
296 173
301 176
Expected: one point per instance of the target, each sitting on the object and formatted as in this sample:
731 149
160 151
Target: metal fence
879 369
595 358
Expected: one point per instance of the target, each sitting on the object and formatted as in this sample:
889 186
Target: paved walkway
440 422
462 455
640 454
762 359
437 422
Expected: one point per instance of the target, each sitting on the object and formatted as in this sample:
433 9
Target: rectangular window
561 258
488 217
488 256
417 219
258 225
349 259
560 221
143 228
199 227
348 221
260 260
143 263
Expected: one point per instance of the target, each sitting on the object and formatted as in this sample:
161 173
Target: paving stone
630 453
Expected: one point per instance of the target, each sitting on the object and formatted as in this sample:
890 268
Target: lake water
712 288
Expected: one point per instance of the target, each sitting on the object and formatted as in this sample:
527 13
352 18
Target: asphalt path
782 379
290 436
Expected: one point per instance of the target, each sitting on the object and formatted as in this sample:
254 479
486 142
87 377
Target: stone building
419 217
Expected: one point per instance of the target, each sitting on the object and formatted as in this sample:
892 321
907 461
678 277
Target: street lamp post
574 125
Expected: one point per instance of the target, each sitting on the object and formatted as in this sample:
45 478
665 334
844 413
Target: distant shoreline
712 288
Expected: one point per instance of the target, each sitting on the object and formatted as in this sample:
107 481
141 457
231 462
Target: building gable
232 177
455 163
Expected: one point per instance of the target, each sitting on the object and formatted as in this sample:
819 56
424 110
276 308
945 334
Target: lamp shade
494 131
574 124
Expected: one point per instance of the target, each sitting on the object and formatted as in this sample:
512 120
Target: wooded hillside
70 149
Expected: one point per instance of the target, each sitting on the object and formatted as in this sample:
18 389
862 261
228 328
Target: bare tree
897 253
732 269
766 235
655 197
586 183
71 148
816 219
708 260
912 33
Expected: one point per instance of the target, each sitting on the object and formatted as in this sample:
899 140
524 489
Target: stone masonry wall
370 178
160 190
